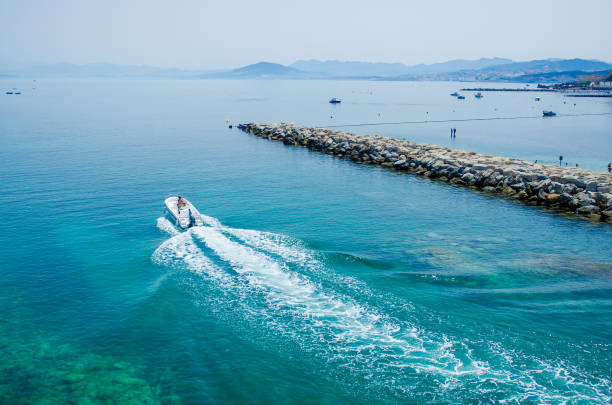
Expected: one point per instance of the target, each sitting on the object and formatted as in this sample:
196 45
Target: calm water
315 280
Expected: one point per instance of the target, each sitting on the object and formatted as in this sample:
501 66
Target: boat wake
274 283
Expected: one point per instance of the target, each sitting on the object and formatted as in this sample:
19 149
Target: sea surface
314 280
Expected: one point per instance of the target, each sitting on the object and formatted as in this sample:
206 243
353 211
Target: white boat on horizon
184 213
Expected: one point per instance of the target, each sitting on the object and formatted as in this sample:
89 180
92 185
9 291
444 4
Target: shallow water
314 279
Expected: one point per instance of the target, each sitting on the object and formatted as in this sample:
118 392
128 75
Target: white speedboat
185 214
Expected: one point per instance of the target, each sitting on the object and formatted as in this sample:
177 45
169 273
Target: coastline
586 193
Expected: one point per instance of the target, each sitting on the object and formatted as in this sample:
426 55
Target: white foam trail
180 250
165 225
214 222
278 244
294 252
346 321
353 334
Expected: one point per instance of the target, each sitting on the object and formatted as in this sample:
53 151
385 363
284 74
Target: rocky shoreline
586 193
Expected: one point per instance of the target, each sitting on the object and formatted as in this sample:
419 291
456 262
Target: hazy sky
222 34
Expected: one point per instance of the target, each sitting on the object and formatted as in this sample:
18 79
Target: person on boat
180 202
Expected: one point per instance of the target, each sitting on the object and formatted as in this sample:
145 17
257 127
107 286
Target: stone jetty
583 192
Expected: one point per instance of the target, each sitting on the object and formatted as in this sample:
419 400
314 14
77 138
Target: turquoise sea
315 280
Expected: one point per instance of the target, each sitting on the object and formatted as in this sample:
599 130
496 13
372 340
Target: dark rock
522 195
584 199
565 198
552 198
588 210
591 186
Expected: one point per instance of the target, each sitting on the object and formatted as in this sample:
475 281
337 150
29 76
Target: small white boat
478 95
335 101
185 214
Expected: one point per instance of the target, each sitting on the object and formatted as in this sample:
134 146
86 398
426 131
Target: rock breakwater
584 192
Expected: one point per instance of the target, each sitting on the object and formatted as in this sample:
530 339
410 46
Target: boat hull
185 216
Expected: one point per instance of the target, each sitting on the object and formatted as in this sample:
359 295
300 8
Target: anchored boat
335 101
548 113
478 95
455 94
185 214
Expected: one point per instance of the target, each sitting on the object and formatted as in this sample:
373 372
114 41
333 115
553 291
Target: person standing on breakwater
609 167
454 133
451 133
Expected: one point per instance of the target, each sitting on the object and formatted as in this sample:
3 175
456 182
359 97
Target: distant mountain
492 69
354 69
261 70
531 71
458 64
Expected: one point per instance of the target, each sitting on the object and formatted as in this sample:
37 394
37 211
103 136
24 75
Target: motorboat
184 213
455 94
548 113
335 101
478 95
537 99
460 97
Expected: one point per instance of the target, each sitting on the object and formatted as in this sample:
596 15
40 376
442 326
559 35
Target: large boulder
565 198
468 177
569 189
573 204
522 195
574 181
588 210
555 187
508 191
552 198
604 188
591 186
584 199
